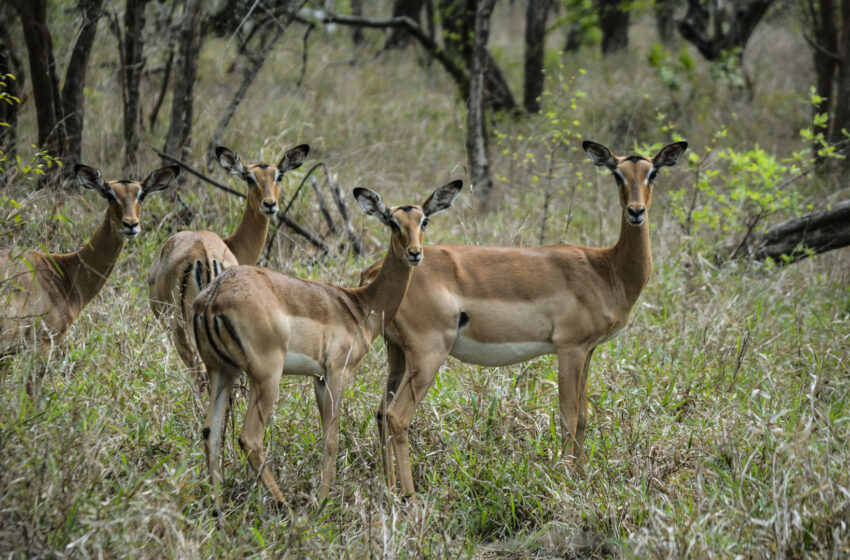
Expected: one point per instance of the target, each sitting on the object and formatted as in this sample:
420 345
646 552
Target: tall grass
718 421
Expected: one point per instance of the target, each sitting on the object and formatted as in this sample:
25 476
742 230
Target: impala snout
130 228
636 215
269 207
414 256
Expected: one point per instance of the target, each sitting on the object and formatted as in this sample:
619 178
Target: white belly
498 354
299 364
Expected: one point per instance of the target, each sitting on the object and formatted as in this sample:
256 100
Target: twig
198 174
322 206
339 198
310 28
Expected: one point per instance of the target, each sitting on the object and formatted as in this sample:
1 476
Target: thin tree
476 126
180 129
614 22
132 44
10 63
398 38
535 37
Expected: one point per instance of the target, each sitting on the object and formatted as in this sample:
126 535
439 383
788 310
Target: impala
189 260
495 306
42 293
267 323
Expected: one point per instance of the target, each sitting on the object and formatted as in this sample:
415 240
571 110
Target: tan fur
517 303
267 323
172 286
42 293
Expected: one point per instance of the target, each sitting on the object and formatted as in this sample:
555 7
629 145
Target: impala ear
442 198
371 203
293 158
599 154
159 180
232 163
669 154
92 178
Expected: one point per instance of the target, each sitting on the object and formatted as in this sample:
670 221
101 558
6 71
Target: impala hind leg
396 361
329 391
221 380
570 394
264 386
419 375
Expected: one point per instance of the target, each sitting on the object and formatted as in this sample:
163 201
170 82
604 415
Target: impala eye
394 226
651 177
424 224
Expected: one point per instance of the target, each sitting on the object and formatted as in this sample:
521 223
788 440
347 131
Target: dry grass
719 423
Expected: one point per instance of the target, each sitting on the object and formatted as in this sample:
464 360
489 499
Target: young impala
495 306
42 293
189 260
267 323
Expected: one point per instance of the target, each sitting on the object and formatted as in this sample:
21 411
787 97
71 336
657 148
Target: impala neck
632 256
381 299
247 242
84 272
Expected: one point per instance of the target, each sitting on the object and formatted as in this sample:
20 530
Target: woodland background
718 423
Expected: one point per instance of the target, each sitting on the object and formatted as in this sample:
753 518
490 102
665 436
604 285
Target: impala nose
414 256
131 228
636 215
270 206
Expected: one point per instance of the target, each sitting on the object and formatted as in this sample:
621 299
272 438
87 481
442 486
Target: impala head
408 222
263 179
634 175
125 197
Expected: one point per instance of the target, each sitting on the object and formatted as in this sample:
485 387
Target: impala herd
484 305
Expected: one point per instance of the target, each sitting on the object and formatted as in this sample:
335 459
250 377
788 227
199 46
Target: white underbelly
498 353
300 364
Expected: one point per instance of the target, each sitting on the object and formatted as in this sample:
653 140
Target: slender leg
581 424
395 357
328 395
221 381
263 391
419 376
571 362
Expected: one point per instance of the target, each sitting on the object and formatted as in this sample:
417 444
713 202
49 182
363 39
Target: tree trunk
476 135
458 20
180 129
10 63
45 85
399 38
535 38
132 65
357 32
798 238
614 22
694 26
664 20
73 92
824 51
841 120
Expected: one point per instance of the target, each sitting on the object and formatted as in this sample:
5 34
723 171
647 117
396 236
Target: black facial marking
263 165
405 208
463 320
125 182
635 159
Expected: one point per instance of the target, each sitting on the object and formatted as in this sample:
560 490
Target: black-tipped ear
159 180
669 154
599 154
371 203
442 198
232 163
293 158
92 178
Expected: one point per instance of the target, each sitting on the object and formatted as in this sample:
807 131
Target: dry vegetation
719 420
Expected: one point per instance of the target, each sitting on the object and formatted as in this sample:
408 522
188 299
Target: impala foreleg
329 391
264 388
570 395
418 378
395 358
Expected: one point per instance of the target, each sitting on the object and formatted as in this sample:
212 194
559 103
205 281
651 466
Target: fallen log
798 238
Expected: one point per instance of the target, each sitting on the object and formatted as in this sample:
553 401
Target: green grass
718 421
